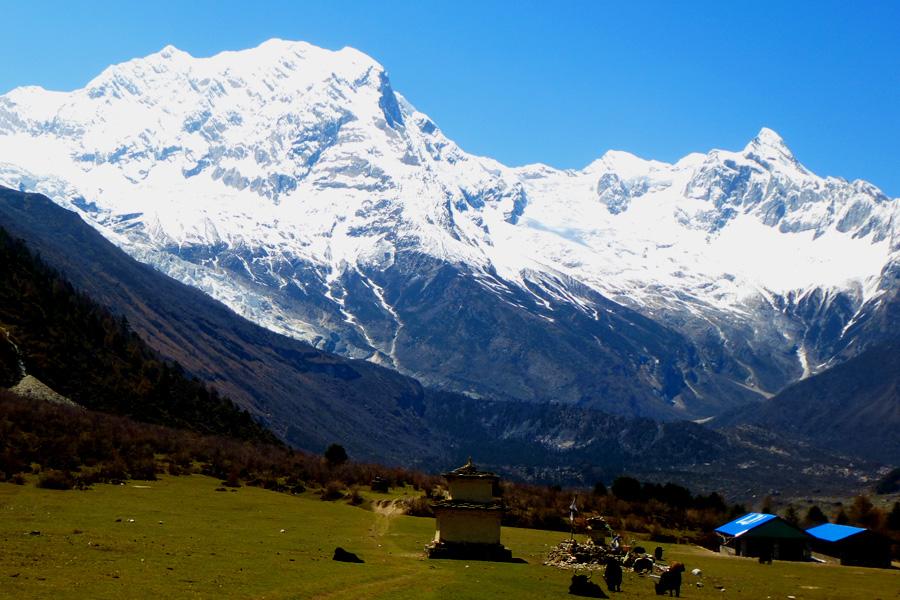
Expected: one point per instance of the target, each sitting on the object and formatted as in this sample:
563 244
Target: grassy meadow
180 538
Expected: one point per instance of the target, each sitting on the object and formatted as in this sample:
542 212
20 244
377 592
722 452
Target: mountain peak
769 144
170 51
278 50
769 137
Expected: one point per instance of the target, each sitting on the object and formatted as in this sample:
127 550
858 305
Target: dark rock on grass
582 585
342 555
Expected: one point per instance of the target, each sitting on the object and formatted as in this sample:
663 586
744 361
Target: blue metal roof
833 533
745 524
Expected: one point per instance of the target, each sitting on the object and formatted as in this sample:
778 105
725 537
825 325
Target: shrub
56 480
354 498
333 490
115 471
658 535
233 480
709 540
419 507
173 468
271 483
143 468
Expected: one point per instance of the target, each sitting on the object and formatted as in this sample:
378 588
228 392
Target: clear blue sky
553 82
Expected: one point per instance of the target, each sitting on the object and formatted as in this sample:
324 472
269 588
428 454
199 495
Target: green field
189 541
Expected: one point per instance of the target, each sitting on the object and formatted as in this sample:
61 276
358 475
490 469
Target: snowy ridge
285 180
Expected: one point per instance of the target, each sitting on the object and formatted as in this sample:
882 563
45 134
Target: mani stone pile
570 554
591 554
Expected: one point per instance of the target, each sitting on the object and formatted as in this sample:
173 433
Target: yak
670 580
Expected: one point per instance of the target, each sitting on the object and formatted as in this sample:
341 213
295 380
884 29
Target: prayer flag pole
573 508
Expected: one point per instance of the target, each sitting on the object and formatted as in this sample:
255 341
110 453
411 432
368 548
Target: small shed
854 546
468 522
765 536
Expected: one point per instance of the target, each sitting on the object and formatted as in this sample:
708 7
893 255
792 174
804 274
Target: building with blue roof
854 546
765 536
829 532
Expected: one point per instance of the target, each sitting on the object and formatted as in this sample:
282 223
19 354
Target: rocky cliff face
296 186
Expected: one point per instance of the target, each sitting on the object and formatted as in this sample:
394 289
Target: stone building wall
468 526
474 490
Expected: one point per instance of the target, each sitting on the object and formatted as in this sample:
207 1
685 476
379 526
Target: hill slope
82 351
853 407
306 396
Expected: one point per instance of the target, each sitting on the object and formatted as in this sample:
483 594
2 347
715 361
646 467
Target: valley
449 300
179 537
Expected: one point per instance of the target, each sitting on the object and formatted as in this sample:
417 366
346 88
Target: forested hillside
84 352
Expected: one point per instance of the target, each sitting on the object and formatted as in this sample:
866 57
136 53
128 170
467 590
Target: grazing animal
670 580
342 555
642 565
613 575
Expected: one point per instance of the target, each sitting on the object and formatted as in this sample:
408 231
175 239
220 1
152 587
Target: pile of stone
570 554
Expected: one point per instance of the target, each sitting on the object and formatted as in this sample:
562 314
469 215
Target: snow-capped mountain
293 184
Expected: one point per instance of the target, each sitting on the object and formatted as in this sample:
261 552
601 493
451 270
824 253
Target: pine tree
335 455
791 516
627 488
841 518
814 516
893 518
864 513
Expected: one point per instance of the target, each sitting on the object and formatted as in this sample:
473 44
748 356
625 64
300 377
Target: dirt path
389 508
370 589
385 511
